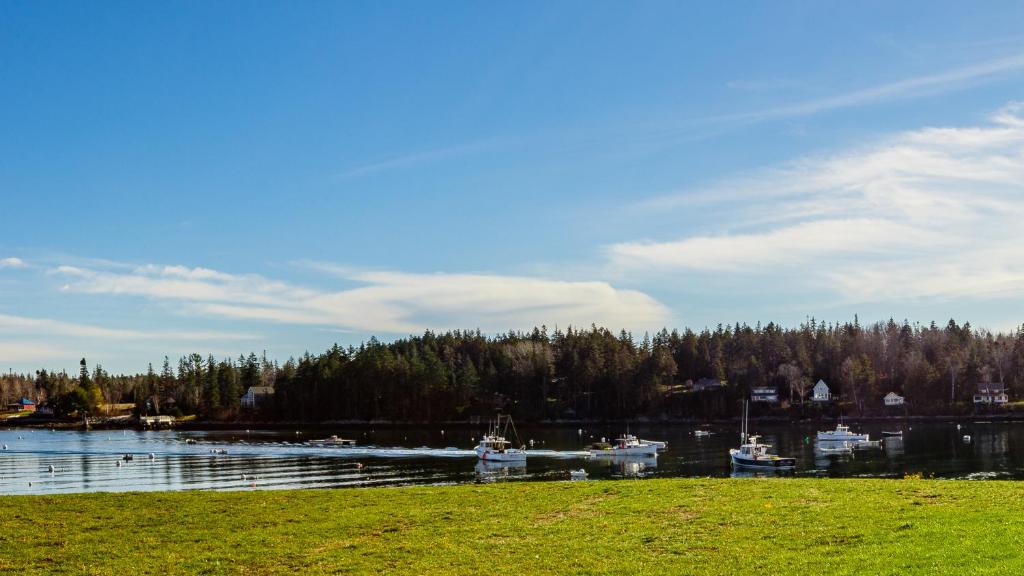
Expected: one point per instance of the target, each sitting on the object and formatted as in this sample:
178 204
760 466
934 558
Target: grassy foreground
721 526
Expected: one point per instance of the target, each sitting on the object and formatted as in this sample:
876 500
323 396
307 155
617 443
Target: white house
821 393
255 396
991 393
764 394
893 399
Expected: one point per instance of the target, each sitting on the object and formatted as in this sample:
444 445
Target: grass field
721 526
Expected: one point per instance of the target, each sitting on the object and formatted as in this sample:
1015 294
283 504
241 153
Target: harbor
170 460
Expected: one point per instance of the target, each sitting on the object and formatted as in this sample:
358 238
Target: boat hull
833 437
772 463
647 450
506 456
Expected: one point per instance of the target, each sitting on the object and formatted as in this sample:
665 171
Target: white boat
334 440
753 454
493 446
656 443
834 448
842 433
702 433
627 445
580 474
867 444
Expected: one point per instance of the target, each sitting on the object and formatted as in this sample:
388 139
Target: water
241 460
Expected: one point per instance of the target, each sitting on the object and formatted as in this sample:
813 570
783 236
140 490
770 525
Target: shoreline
196 424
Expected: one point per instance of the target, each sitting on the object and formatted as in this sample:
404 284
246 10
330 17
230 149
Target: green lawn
721 526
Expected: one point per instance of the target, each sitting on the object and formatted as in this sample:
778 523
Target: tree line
574 373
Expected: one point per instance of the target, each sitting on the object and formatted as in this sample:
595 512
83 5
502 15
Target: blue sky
236 176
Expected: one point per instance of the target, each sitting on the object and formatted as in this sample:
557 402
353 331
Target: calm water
240 460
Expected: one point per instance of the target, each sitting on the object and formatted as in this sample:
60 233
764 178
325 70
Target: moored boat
334 440
626 445
753 454
842 433
494 447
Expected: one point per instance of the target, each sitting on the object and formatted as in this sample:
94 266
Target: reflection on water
491 471
629 466
240 460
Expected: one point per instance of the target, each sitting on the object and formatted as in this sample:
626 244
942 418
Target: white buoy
957 426
243 477
51 468
152 456
5 446
118 463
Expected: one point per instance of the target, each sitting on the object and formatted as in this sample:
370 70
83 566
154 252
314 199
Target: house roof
991 387
892 395
820 384
26 401
261 389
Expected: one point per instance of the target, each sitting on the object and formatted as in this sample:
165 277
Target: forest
571 374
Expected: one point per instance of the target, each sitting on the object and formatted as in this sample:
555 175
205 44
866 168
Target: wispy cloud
907 88
22 351
22 326
927 213
413 158
384 301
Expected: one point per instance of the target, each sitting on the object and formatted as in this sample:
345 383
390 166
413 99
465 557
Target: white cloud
12 262
21 326
928 213
393 302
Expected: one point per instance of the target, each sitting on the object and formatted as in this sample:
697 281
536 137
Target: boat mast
744 429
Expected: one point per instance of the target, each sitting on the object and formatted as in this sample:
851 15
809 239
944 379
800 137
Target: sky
226 177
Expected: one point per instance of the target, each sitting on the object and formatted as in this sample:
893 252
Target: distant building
768 394
24 405
991 393
821 393
707 384
256 395
893 399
